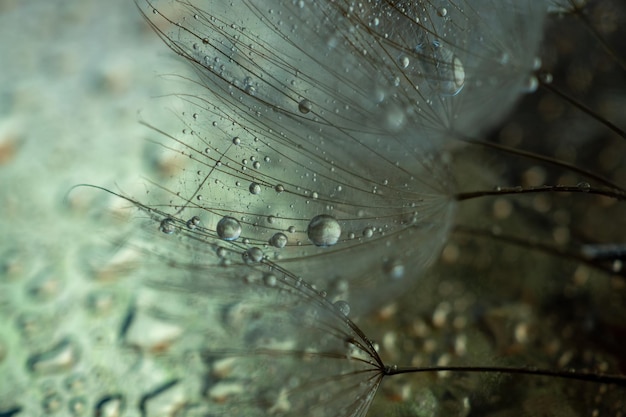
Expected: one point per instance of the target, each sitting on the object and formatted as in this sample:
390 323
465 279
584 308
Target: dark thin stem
580 106
616 194
575 255
546 159
572 375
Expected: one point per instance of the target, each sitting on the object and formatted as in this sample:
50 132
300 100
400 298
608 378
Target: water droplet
394 269
546 77
100 302
52 403
279 188
45 286
75 383
150 333
368 232
193 222
110 406
253 255
78 406
236 140
60 357
458 72
343 307
270 280
443 70
255 188
167 226
304 106
584 186
256 165
531 84
228 228
404 61
324 230
279 240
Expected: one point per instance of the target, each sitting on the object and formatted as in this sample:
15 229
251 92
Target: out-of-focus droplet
60 357
343 307
150 333
110 406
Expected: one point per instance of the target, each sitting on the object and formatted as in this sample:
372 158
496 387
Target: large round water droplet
304 106
167 226
228 228
279 240
444 70
255 188
324 230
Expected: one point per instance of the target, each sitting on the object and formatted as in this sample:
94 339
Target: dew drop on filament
167 226
228 228
324 230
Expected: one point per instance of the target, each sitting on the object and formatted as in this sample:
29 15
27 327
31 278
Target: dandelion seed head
351 119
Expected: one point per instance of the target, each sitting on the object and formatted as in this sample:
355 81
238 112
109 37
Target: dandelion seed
355 136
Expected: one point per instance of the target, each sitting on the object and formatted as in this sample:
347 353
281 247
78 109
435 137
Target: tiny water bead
584 186
228 228
324 230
